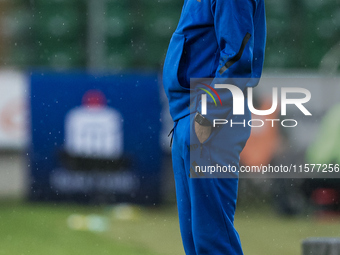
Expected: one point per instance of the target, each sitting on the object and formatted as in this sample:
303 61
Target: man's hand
202 132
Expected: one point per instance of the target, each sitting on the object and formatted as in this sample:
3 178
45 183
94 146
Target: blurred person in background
214 39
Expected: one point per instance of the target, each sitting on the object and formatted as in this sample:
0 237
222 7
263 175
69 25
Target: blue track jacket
214 39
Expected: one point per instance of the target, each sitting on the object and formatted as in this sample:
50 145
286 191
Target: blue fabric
209 34
206 206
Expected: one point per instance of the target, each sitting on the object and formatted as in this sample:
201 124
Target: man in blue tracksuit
218 39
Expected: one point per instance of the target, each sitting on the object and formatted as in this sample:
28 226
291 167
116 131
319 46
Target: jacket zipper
238 56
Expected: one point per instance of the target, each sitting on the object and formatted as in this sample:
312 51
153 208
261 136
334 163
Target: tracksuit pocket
172 63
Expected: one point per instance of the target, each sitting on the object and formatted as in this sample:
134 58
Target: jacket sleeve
234 22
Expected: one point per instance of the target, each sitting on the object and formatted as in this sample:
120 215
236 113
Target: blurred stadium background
54 50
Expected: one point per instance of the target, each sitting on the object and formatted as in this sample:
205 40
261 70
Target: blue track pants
206 206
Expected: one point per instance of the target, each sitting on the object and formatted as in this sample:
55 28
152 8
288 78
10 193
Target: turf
42 229
264 232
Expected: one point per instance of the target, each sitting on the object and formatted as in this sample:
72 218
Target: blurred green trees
128 34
